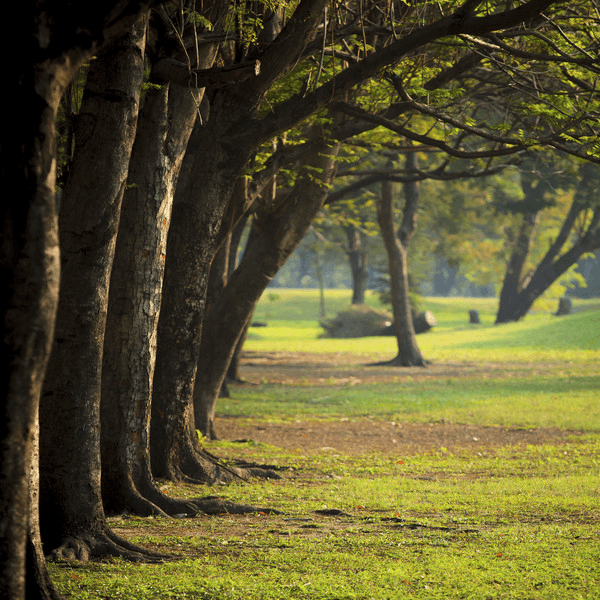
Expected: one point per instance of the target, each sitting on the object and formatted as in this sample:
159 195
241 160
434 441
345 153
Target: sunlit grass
493 524
507 522
540 337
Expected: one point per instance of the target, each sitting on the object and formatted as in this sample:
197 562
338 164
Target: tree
165 124
578 234
396 243
73 520
58 41
277 229
234 129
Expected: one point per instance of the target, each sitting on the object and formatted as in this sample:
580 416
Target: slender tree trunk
396 244
233 371
358 259
275 234
73 520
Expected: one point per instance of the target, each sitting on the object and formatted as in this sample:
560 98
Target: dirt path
349 437
369 435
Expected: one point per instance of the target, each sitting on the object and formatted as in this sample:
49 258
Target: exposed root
244 471
149 502
215 505
400 362
107 544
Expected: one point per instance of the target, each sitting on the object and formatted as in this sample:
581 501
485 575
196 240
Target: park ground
476 477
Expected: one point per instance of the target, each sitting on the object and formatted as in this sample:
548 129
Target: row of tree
124 309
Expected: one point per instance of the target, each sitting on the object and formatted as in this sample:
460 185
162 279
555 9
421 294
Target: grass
501 522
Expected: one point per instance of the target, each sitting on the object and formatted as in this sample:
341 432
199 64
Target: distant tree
396 242
578 233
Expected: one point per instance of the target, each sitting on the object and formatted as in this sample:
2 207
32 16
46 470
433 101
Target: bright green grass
515 523
571 403
541 336
541 372
494 524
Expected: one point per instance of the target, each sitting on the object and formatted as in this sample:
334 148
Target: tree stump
564 306
474 317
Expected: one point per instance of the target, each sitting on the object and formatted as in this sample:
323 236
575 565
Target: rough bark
218 152
73 522
56 40
276 232
30 269
38 583
166 122
191 244
396 244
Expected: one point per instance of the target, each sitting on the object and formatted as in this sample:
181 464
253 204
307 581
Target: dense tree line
123 302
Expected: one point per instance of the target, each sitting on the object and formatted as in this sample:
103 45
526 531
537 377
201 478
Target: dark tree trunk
396 244
30 271
166 122
276 232
192 241
38 584
72 515
29 257
216 157
359 260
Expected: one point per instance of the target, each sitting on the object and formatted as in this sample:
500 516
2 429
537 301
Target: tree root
148 501
102 545
244 471
215 505
400 362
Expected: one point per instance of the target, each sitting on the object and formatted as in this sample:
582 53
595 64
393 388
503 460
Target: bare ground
369 435
344 436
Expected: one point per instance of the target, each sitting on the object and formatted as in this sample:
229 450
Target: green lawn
509 522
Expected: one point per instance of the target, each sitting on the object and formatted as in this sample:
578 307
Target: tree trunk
166 122
38 583
233 371
192 241
358 258
72 515
396 245
511 306
276 232
519 293
29 258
